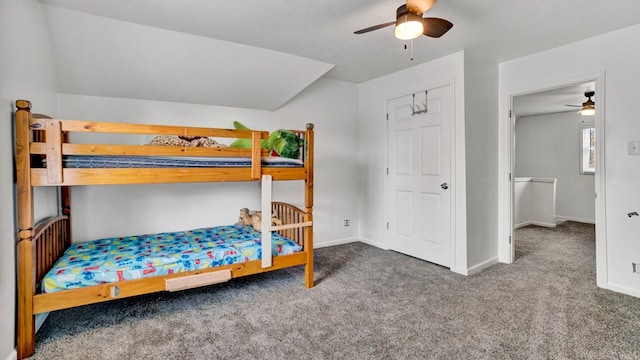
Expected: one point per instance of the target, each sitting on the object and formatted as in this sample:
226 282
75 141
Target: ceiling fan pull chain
411 49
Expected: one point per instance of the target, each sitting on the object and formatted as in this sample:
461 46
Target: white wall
534 201
101 211
548 146
481 114
372 149
24 73
332 106
616 54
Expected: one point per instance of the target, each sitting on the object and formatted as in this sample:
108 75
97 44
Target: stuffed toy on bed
244 218
185 141
254 218
282 143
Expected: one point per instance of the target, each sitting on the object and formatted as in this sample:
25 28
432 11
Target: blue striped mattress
92 161
133 257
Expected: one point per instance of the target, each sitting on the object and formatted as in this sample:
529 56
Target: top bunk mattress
91 161
133 257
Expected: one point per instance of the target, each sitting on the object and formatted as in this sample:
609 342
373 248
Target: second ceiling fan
588 107
410 24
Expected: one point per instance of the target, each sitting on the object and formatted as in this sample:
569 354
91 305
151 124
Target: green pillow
283 143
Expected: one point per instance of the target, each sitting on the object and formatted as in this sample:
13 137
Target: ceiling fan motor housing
402 10
409 25
403 15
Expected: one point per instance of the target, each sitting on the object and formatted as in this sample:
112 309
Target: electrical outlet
633 147
635 268
347 222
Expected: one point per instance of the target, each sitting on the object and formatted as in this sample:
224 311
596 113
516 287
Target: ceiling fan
588 107
410 24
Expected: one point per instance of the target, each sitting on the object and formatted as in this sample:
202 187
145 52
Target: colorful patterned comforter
134 257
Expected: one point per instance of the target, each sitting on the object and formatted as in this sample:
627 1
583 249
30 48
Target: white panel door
419 198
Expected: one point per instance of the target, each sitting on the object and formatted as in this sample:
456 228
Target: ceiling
259 54
552 100
323 30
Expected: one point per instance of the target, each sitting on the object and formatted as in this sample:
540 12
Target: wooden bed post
65 201
308 204
25 324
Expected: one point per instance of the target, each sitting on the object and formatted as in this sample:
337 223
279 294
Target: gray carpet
373 304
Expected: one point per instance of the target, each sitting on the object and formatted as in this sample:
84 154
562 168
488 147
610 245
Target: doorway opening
505 184
553 159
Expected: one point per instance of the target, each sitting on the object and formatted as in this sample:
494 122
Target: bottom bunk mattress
125 258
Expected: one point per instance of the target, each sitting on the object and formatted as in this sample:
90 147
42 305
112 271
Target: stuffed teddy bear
256 221
282 143
185 141
244 218
254 218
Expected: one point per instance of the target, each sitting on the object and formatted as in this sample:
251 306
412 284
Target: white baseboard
460 270
40 318
374 243
560 219
334 242
624 290
537 223
483 265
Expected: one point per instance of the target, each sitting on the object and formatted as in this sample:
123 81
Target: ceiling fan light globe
409 26
588 107
588 111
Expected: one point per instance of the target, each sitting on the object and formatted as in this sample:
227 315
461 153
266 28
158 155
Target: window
587 148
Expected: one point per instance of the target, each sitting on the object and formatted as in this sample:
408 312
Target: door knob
445 186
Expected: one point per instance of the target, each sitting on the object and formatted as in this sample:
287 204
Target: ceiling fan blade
573 105
375 27
420 6
436 27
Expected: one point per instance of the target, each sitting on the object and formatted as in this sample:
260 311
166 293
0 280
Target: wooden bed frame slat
256 157
160 175
290 227
137 150
192 281
38 248
50 239
101 293
141 129
54 151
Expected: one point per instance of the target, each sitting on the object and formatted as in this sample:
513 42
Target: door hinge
510 114
387 171
509 239
509 176
387 116
387 225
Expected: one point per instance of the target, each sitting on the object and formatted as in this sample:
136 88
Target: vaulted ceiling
276 48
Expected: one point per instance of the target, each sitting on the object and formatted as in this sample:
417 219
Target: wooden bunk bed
39 246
